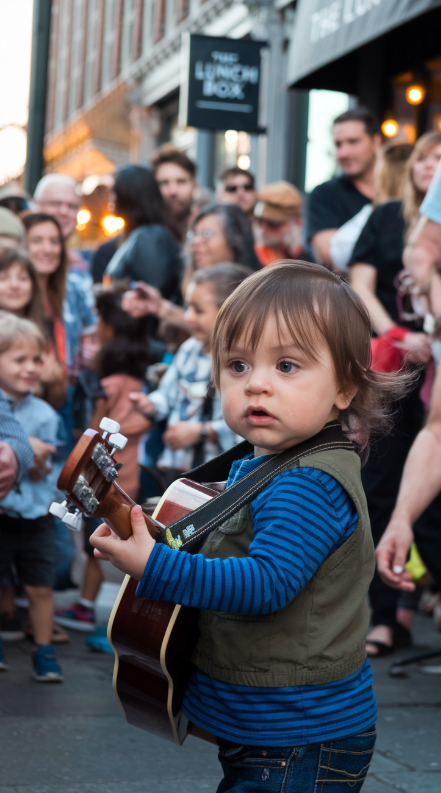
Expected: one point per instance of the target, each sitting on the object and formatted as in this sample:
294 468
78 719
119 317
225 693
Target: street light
112 224
415 94
83 218
389 128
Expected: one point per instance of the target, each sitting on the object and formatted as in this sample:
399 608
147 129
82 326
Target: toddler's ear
344 398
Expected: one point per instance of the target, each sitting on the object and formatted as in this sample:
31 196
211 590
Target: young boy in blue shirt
281 675
26 529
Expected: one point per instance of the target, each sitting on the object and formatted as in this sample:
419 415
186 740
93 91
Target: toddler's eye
286 367
238 367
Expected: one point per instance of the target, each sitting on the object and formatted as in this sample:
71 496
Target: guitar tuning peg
118 442
108 425
73 520
59 510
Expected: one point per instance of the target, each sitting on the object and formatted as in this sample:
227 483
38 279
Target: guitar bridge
85 495
104 463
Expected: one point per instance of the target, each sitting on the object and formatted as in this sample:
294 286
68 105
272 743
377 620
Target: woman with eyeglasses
221 234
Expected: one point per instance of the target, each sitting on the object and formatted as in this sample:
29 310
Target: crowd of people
124 332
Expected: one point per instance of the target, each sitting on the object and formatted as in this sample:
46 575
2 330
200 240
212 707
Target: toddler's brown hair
310 302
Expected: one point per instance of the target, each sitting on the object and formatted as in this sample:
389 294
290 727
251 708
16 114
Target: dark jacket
149 254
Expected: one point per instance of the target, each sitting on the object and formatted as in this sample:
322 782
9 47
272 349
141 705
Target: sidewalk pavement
71 738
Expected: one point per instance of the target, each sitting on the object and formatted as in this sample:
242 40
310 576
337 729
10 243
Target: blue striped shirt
300 519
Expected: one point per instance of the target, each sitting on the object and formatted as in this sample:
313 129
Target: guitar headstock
88 473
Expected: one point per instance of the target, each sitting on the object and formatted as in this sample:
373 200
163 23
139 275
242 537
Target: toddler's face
276 396
20 367
15 288
202 310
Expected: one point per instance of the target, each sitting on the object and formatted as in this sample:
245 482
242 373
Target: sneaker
11 629
78 617
98 641
3 664
46 669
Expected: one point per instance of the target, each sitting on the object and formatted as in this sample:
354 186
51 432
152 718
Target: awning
326 31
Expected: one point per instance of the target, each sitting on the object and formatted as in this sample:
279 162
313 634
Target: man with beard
278 223
332 204
176 177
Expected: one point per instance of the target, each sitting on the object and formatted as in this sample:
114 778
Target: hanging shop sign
326 30
222 91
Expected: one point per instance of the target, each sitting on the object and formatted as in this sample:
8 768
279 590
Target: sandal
401 637
383 649
58 635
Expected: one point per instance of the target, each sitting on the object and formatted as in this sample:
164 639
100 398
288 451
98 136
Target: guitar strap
190 532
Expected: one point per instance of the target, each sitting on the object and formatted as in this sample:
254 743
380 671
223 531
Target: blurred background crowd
121 330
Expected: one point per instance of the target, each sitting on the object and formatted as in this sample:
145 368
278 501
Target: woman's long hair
390 176
10 256
138 199
56 286
412 197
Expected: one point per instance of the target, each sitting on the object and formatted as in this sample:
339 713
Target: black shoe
11 629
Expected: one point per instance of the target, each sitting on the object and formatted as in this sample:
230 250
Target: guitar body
154 641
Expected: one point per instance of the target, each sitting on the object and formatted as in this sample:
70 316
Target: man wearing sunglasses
237 187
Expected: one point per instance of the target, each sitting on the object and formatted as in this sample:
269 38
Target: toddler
196 431
281 676
26 528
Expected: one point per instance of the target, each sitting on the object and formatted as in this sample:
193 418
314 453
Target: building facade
114 77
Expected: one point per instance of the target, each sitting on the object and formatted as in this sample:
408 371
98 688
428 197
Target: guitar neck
115 510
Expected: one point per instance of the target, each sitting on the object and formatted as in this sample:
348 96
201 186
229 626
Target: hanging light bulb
415 94
389 128
112 224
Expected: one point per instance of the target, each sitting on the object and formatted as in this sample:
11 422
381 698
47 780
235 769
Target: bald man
56 194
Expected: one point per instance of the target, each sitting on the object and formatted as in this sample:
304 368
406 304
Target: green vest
320 635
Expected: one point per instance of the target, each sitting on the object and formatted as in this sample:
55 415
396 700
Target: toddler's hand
182 434
130 556
41 451
141 402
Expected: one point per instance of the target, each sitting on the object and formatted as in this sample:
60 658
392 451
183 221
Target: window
76 56
147 27
127 33
109 35
182 10
158 20
62 75
324 106
91 41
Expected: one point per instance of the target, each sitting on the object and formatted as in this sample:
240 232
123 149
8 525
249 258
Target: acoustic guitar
153 641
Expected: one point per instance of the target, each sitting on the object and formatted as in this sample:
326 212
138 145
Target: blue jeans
328 767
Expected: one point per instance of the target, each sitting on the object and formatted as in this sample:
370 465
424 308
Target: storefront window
416 102
324 107
231 148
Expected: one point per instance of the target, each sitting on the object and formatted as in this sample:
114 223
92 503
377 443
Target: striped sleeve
298 521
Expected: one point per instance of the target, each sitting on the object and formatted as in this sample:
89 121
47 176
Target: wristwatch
204 431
